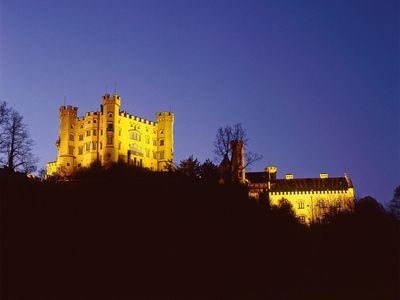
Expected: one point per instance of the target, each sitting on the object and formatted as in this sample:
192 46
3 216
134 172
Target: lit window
80 150
110 127
94 131
81 137
87 132
71 150
87 146
161 142
71 137
154 142
301 205
110 115
161 155
94 145
109 140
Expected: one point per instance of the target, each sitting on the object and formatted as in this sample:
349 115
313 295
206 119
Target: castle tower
66 140
109 128
238 172
165 139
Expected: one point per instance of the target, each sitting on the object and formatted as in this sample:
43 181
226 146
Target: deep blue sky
316 83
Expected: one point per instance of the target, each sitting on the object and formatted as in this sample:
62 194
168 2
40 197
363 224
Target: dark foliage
129 232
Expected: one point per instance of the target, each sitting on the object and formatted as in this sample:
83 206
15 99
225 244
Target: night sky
315 83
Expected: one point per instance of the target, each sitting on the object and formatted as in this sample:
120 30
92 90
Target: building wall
110 136
311 206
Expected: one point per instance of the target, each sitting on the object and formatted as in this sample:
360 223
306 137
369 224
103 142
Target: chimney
289 176
323 175
271 170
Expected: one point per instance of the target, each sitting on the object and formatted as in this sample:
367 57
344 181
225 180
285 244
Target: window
101 145
110 127
109 140
80 150
110 115
154 142
95 121
154 154
161 131
72 126
94 131
161 155
79 165
71 150
147 140
119 146
101 131
88 122
81 137
87 146
71 137
302 219
134 135
136 149
161 142
82 125
147 152
87 132
119 132
94 145
301 205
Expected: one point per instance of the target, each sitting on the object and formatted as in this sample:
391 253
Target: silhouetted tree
223 145
209 171
189 167
394 205
16 143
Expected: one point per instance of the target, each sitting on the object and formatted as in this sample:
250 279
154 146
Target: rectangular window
119 132
110 127
94 145
147 140
301 205
71 150
154 142
161 142
161 155
95 132
147 152
81 137
101 145
154 154
80 150
119 146
109 140
302 219
71 137
101 131
87 132
87 146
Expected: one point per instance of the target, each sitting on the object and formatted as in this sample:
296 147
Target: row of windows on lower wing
133 135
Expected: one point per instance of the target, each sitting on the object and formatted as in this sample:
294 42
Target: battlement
136 118
68 110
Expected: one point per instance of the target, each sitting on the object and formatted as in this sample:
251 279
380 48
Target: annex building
312 199
111 135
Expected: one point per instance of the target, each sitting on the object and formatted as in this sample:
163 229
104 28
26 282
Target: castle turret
109 128
238 172
165 139
66 140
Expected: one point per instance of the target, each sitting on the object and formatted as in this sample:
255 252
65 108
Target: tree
15 141
223 146
209 171
394 205
189 167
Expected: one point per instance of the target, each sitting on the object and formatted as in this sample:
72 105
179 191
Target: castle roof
301 184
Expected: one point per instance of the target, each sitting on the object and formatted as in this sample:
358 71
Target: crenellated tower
66 140
165 137
110 107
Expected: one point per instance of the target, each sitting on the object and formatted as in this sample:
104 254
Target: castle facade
111 135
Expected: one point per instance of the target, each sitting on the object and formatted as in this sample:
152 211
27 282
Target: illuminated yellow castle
111 135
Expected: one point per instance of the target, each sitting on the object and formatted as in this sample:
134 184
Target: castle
111 135
312 199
